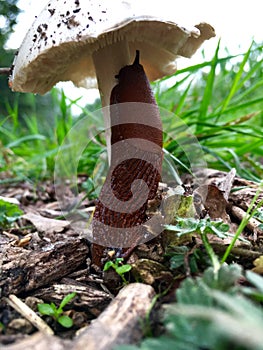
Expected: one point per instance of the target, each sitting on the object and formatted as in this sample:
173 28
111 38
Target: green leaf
225 279
176 261
255 279
236 81
65 321
208 92
183 226
191 225
108 265
220 228
118 260
9 213
67 299
259 214
123 269
46 309
26 138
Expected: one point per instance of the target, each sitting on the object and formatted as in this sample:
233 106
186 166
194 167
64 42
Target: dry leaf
45 224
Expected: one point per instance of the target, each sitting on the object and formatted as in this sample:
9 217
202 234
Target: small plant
178 259
57 313
212 312
9 213
118 267
191 225
201 227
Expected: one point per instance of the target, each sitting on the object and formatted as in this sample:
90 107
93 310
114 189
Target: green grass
220 100
29 143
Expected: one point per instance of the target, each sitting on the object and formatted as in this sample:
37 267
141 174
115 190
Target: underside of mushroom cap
61 41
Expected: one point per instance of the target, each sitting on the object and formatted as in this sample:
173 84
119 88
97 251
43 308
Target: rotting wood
119 324
24 270
88 298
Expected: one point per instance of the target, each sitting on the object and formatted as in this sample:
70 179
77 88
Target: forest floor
43 259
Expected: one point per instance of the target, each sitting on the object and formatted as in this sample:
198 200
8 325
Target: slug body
136 142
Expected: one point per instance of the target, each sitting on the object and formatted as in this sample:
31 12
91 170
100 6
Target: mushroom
89 42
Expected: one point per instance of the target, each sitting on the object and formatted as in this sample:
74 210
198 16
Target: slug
136 143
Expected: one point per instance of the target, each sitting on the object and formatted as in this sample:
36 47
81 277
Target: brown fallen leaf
214 202
47 225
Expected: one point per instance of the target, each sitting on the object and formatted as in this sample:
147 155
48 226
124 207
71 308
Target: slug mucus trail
136 154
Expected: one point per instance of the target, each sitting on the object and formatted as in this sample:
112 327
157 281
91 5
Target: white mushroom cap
61 43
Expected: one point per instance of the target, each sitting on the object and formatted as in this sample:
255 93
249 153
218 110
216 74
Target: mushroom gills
136 163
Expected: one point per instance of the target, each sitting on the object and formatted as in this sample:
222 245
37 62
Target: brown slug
136 154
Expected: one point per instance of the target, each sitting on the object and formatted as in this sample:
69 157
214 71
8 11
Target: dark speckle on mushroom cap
60 43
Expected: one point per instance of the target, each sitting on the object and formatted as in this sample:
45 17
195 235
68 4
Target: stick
29 314
5 71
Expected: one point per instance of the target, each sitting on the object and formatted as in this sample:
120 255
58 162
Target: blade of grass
206 100
235 83
23 139
183 98
216 156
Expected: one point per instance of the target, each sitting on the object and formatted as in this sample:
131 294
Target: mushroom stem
108 61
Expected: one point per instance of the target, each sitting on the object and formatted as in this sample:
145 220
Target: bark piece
242 197
88 298
120 323
23 270
226 185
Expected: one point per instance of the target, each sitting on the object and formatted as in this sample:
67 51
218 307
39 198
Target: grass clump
220 100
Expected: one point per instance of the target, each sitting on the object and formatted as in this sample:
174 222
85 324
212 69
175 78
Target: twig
29 314
241 252
5 71
253 224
